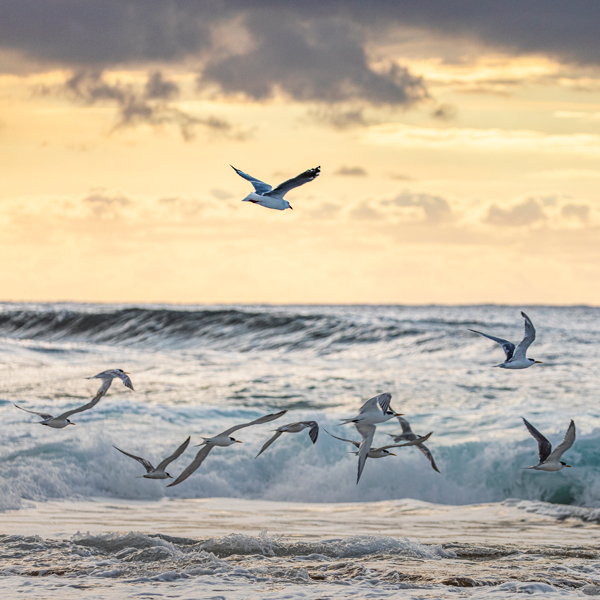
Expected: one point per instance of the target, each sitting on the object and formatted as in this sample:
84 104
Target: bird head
235 441
168 475
289 205
70 422
564 464
391 413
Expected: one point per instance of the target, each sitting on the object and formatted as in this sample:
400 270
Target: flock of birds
373 412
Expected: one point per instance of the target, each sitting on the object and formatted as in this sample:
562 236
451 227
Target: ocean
75 514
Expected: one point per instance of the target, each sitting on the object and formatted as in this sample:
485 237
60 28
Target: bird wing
258 421
202 454
146 463
544 446
33 412
87 406
565 444
428 456
382 400
313 432
508 347
368 433
416 442
405 425
106 383
163 465
290 184
356 444
521 350
125 379
260 187
269 442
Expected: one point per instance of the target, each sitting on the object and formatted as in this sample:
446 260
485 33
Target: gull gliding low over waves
107 378
158 472
407 434
549 460
223 440
374 411
313 432
270 197
63 420
515 358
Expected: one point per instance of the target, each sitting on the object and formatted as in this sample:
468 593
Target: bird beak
291 208
238 442
72 423
126 373
568 466
392 454
398 414
538 362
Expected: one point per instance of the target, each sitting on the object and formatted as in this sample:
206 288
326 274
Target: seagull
313 432
224 439
63 420
270 197
516 359
108 376
374 411
407 434
383 451
158 472
550 460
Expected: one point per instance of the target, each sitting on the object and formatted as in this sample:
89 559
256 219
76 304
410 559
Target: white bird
268 197
515 358
313 432
407 434
549 460
383 451
107 378
374 411
158 472
223 440
63 420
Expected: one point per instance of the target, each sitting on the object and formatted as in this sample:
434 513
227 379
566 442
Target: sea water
198 370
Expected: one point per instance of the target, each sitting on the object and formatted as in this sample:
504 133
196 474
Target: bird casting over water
158 472
223 440
313 432
515 358
270 197
407 434
549 460
107 378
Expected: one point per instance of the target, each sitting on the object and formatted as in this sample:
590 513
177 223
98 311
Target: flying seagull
407 434
374 411
224 439
158 472
270 197
107 378
63 420
313 432
383 451
515 358
550 460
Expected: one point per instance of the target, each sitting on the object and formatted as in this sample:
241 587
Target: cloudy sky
459 144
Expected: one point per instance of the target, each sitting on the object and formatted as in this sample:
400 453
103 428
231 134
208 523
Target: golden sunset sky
459 144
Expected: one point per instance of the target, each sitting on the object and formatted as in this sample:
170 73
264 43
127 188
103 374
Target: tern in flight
407 434
383 451
374 411
270 197
223 440
107 378
63 420
158 472
313 432
515 356
549 460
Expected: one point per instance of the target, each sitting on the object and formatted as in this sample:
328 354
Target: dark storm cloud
310 60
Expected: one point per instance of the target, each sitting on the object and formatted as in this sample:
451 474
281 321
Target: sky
459 145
